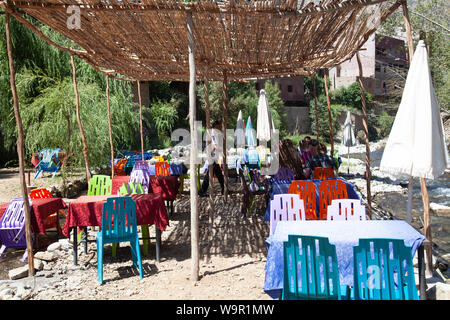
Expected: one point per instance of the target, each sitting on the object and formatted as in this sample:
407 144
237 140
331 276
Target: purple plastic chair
142 176
12 227
284 174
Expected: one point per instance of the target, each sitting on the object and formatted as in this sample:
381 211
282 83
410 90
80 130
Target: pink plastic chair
346 209
286 207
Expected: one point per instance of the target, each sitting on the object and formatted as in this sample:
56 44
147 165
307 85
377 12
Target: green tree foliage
350 96
163 116
322 110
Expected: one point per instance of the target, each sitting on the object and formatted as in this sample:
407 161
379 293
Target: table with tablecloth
3 207
282 188
343 234
87 211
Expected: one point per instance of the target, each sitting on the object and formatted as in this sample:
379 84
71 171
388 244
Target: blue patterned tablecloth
343 234
281 188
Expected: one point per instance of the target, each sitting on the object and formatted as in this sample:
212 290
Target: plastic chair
119 167
284 174
285 207
162 169
328 191
119 225
262 154
157 158
53 219
253 159
383 270
307 191
346 209
48 161
100 185
311 270
135 188
323 173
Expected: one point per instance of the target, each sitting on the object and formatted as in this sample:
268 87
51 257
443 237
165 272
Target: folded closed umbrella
240 132
264 123
250 134
348 137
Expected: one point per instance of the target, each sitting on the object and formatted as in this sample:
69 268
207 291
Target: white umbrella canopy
264 121
348 134
240 131
416 144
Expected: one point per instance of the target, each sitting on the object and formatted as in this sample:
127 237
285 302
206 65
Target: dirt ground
232 259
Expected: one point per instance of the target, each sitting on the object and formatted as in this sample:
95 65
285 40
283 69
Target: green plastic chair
131 188
100 185
379 266
119 225
310 264
135 188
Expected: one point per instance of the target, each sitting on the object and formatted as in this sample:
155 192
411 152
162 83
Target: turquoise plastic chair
135 188
310 264
119 225
100 185
379 266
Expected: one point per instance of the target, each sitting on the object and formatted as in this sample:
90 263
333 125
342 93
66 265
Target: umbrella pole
366 136
193 156
423 183
410 190
348 159
20 148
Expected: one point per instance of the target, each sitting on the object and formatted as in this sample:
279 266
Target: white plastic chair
286 207
346 209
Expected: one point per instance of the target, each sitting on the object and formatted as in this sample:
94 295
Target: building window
338 71
377 67
289 88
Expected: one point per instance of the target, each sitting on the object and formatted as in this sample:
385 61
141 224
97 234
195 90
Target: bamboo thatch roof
147 39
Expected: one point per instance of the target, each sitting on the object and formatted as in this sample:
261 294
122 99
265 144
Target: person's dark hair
216 123
308 137
314 142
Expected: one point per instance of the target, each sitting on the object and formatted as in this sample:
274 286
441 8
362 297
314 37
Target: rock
46 256
38 264
18 273
439 291
65 244
439 209
54 246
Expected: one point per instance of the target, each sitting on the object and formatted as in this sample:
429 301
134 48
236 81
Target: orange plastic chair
323 173
52 220
328 191
162 169
119 167
307 191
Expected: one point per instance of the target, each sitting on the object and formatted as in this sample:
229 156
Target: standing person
215 152
318 159
304 152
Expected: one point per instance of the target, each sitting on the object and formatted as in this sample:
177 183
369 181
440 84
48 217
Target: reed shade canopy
146 40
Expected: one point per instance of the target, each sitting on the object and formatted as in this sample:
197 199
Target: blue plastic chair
383 270
119 225
311 270
46 163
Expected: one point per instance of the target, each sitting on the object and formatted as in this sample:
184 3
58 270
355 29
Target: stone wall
298 119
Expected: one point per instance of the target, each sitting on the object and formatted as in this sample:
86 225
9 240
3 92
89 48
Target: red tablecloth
87 211
40 210
117 182
167 187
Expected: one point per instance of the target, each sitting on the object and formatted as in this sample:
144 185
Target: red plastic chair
323 173
307 191
52 220
162 169
328 191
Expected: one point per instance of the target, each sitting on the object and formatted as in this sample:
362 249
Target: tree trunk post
316 110
20 148
366 137
208 143
111 143
140 118
193 154
224 132
80 126
330 124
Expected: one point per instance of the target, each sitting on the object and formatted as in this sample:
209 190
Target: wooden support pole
140 118
423 182
20 148
80 126
195 252
224 133
408 31
316 110
210 161
329 113
110 127
366 137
